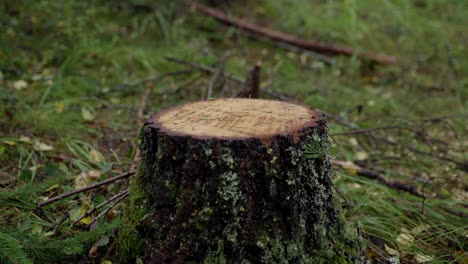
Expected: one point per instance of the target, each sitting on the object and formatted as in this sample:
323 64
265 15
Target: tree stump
238 181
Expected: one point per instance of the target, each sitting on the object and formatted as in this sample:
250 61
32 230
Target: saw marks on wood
235 118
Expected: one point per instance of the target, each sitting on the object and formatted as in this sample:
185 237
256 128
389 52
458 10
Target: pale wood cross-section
236 118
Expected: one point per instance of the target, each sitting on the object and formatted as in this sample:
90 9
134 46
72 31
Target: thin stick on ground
204 68
370 174
462 165
151 79
87 188
231 77
314 55
219 69
289 39
112 205
94 209
140 120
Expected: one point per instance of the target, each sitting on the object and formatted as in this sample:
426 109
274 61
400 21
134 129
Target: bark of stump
238 181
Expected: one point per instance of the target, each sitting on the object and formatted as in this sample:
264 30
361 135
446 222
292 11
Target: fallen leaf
25 139
361 155
353 141
420 258
405 239
34 168
391 251
96 157
77 212
85 178
419 229
88 113
59 106
40 146
9 142
20 85
350 168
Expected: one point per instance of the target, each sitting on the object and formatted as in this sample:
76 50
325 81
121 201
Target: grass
63 113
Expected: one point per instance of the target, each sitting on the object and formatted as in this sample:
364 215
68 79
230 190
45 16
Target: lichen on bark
239 201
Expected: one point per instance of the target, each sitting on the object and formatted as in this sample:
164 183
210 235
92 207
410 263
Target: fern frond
11 251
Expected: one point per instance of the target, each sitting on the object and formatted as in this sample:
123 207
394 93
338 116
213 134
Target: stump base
251 196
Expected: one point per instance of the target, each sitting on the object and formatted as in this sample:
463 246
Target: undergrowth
68 116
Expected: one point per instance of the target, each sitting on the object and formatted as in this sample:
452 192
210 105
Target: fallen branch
94 186
94 209
370 174
289 39
323 58
365 131
117 201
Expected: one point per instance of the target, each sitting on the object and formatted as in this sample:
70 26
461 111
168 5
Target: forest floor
78 77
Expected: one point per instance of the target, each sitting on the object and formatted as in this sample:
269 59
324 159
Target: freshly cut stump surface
236 118
238 181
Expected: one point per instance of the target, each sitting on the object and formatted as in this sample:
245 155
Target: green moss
129 241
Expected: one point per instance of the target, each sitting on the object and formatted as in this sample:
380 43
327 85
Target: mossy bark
239 200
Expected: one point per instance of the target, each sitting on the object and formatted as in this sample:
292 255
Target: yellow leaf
350 168
25 139
361 155
391 251
420 258
405 239
8 142
59 106
40 146
85 220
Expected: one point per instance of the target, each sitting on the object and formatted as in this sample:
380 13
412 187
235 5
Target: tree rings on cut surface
235 118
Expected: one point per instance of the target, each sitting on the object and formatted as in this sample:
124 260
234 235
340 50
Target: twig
140 119
112 205
461 165
370 174
289 39
150 79
323 58
204 68
141 109
231 77
252 82
365 131
94 209
94 186
219 68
